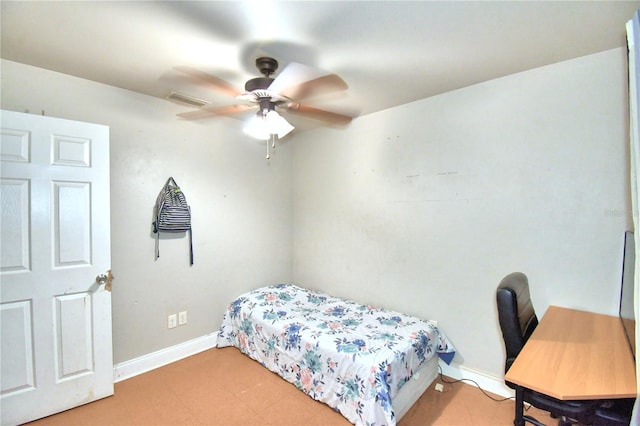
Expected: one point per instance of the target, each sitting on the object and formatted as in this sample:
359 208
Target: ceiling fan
294 83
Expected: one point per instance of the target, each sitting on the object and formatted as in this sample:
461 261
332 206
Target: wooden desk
576 355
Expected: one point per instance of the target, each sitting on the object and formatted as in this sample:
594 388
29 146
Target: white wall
241 205
425 207
421 208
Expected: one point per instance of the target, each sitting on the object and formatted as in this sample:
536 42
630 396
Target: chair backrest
516 314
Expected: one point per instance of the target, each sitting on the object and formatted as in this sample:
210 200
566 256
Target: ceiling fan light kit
296 81
263 125
268 125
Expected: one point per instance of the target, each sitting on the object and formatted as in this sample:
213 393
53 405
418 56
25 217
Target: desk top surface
576 355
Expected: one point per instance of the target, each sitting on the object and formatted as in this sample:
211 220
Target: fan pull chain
272 141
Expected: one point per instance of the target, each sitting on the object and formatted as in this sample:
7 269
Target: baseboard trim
487 382
145 363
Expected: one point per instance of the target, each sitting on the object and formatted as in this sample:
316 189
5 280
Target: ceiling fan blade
320 86
210 81
209 111
297 81
318 114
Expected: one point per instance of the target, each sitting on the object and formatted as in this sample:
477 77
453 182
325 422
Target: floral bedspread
353 357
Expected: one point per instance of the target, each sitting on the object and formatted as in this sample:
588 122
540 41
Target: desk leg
519 419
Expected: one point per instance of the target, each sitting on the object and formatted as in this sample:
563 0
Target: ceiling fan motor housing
266 66
258 83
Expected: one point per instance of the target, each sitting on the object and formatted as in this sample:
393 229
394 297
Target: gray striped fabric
173 214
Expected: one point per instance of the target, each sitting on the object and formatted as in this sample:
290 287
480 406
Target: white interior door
55 319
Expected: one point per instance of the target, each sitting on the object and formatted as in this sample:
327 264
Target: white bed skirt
415 387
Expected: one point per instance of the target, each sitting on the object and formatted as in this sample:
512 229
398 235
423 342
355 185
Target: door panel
55 319
14 194
72 223
74 354
17 348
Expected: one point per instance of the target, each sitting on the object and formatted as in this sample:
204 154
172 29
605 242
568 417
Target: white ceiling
388 52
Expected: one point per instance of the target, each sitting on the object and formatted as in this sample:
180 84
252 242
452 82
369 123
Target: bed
367 363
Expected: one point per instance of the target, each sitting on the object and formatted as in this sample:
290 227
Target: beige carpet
224 387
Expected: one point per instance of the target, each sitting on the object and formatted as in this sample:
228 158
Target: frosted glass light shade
278 125
257 128
262 127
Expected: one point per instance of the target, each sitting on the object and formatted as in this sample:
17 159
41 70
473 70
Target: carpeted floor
224 387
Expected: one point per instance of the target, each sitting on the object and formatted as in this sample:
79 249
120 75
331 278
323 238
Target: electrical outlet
172 321
182 318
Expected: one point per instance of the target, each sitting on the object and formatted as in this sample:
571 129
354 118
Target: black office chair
518 320
615 413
